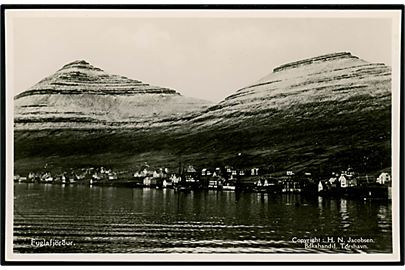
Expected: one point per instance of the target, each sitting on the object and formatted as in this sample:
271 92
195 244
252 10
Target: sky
203 57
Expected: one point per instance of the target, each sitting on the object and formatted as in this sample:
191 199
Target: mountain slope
320 115
338 78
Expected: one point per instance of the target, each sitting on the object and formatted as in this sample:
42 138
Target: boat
229 187
182 188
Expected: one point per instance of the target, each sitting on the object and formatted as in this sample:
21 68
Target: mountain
321 82
80 95
319 115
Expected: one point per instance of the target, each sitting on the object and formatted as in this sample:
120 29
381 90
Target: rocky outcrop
80 95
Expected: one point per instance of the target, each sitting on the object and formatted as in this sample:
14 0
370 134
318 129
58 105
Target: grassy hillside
314 137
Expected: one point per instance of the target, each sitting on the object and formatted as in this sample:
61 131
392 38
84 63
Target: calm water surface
125 220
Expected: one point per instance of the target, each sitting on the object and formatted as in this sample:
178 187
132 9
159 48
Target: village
346 183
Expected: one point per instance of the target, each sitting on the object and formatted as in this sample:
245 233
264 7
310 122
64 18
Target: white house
175 179
332 180
384 178
320 186
167 183
343 181
254 171
149 181
204 172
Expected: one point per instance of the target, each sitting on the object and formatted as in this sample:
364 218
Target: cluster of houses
218 178
191 178
350 183
85 175
345 179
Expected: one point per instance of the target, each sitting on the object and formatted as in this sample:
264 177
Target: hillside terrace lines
80 64
335 77
97 92
318 59
80 77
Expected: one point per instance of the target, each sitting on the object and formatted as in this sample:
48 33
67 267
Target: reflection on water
110 219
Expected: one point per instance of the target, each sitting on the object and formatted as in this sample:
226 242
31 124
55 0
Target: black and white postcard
202 134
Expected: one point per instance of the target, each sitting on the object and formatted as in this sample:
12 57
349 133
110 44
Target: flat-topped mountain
316 84
316 114
81 95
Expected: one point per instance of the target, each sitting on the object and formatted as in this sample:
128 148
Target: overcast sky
208 58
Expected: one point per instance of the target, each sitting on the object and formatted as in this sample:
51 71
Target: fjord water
125 220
